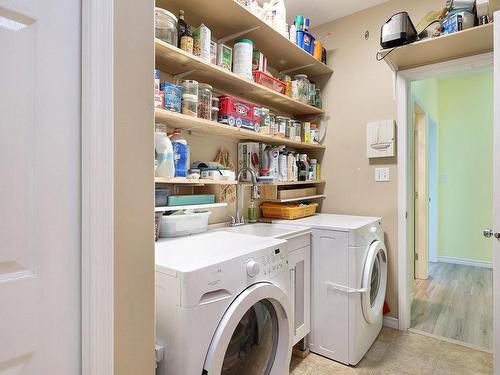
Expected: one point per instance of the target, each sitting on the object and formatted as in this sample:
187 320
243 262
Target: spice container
288 81
298 131
317 99
190 105
204 101
173 96
215 109
166 26
312 169
272 124
302 88
265 121
312 93
280 126
287 128
190 87
294 126
242 58
306 132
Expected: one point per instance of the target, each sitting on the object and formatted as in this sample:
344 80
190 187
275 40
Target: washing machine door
374 281
254 335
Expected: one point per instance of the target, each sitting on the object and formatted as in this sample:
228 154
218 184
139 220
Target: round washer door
254 335
375 281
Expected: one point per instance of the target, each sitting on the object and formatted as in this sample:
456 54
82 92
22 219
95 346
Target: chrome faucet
255 195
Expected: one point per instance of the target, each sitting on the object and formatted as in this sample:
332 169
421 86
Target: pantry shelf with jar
232 77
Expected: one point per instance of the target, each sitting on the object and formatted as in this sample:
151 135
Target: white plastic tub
184 225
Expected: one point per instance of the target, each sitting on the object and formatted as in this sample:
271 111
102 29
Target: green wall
426 92
465 128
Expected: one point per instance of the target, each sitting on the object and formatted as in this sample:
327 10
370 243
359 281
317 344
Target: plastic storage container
190 87
301 88
205 101
242 58
190 105
215 109
166 26
288 211
184 225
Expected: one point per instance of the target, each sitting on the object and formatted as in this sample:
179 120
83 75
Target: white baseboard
466 262
391 322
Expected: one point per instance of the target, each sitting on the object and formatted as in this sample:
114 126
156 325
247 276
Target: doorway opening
451 158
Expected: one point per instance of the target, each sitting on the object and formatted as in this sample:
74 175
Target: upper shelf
173 60
178 120
230 18
447 47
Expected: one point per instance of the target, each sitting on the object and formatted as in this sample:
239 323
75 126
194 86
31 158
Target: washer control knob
253 268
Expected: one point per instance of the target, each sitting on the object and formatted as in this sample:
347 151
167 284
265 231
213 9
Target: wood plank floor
456 302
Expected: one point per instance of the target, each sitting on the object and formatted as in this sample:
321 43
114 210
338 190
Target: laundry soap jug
181 153
164 154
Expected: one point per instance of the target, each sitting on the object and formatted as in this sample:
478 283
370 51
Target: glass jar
312 93
215 109
294 126
288 81
287 128
190 105
265 121
166 26
302 88
204 101
190 87
272 124
298 131
314 134
317 99
280 126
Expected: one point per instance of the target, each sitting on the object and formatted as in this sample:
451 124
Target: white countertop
332 222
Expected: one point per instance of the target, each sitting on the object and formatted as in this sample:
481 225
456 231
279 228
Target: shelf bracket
180 76
236 35
283 72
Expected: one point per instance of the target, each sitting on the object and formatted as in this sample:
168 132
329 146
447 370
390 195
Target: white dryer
222 305
349 278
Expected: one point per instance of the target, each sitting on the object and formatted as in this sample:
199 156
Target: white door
40 187
299 262
496 200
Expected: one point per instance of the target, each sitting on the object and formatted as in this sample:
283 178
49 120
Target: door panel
40 187
330 307
496 199
300 266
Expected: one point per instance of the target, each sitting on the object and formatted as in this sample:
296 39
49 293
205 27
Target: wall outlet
382 175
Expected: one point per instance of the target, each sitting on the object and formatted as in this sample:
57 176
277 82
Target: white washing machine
349 279
222 305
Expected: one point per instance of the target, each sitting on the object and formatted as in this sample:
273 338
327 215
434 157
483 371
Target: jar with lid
312 93
298 131
302 88
190 105
190 87
265 121
215 109
288 81
294 126
280 126
317 99
166 26
204 101
312 169
287 128
314 134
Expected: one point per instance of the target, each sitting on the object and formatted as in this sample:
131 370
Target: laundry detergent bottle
181 153
164 153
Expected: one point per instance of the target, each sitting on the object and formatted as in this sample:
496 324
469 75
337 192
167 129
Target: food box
159 99
213 52
225 57
249 157
201 42
237 112
297 193
259 61
172 96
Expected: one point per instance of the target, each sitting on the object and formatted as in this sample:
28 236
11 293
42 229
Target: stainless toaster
398 30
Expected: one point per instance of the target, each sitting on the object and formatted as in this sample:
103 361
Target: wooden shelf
174 61
227 17
185 181
309 182
287 200
190 207
178 120
465 43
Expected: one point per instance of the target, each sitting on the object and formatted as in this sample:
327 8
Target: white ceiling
323 11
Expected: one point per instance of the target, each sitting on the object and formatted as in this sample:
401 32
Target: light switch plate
382 175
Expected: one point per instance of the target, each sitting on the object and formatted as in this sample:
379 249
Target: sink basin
269 230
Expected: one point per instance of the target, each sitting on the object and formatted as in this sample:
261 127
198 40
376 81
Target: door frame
405 187
97 187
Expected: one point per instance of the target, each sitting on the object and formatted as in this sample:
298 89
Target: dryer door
374 281
254 335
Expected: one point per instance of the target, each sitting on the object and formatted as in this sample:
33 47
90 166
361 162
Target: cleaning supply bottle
181 153
164 153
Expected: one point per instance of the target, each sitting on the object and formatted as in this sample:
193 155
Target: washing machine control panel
266 264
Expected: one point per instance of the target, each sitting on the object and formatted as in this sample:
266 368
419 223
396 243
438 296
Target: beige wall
360 91
134 184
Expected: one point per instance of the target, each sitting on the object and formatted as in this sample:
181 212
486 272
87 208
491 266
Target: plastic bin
184 225
269 81
287 211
